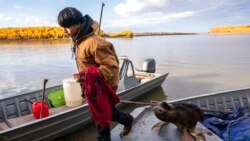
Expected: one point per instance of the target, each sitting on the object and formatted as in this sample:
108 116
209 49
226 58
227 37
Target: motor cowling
149 65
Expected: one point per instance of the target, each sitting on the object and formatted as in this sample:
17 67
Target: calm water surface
197 64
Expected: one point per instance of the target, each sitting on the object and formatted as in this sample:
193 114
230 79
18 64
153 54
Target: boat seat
27 118
144 78
20 120
53 111
3 126
8 123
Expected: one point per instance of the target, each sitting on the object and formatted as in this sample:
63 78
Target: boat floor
28 118
142 131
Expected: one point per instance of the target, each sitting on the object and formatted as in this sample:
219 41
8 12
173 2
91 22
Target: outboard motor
149 65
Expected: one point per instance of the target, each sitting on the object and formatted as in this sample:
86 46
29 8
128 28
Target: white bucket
72 92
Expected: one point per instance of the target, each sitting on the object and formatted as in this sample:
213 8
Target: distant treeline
32 33
126 33
231 29
45 32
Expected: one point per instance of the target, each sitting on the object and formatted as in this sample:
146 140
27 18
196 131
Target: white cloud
148 19
130 7
8 18
15 6
146 13
1 16
25 21
33 21
134 14
4 18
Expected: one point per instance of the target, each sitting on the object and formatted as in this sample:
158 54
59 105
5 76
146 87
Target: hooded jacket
94 51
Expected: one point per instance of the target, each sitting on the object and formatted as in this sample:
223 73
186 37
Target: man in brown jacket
91 50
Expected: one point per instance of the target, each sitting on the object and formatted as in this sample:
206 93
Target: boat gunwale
208 94
49 89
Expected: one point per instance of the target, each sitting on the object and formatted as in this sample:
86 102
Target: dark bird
184 116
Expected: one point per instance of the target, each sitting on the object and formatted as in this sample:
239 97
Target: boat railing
225 100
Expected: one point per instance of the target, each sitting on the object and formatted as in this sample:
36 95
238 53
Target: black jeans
103 134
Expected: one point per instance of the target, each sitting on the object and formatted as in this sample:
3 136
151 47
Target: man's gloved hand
79 77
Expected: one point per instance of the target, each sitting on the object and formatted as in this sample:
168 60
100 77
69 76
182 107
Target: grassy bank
34 33
231 29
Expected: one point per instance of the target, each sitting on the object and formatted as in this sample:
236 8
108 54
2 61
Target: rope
228 130
151 103
154 103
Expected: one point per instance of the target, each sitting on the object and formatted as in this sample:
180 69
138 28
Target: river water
198 64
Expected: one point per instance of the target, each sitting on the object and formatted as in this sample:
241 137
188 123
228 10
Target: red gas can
36 109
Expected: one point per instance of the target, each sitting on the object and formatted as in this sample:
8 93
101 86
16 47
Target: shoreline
163 33
134 35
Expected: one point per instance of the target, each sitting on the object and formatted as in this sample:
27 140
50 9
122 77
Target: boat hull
145 118
69 119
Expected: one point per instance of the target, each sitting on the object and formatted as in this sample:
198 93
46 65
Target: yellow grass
231 29
32 33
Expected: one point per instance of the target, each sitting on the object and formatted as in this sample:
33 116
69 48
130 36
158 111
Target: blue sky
135 15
